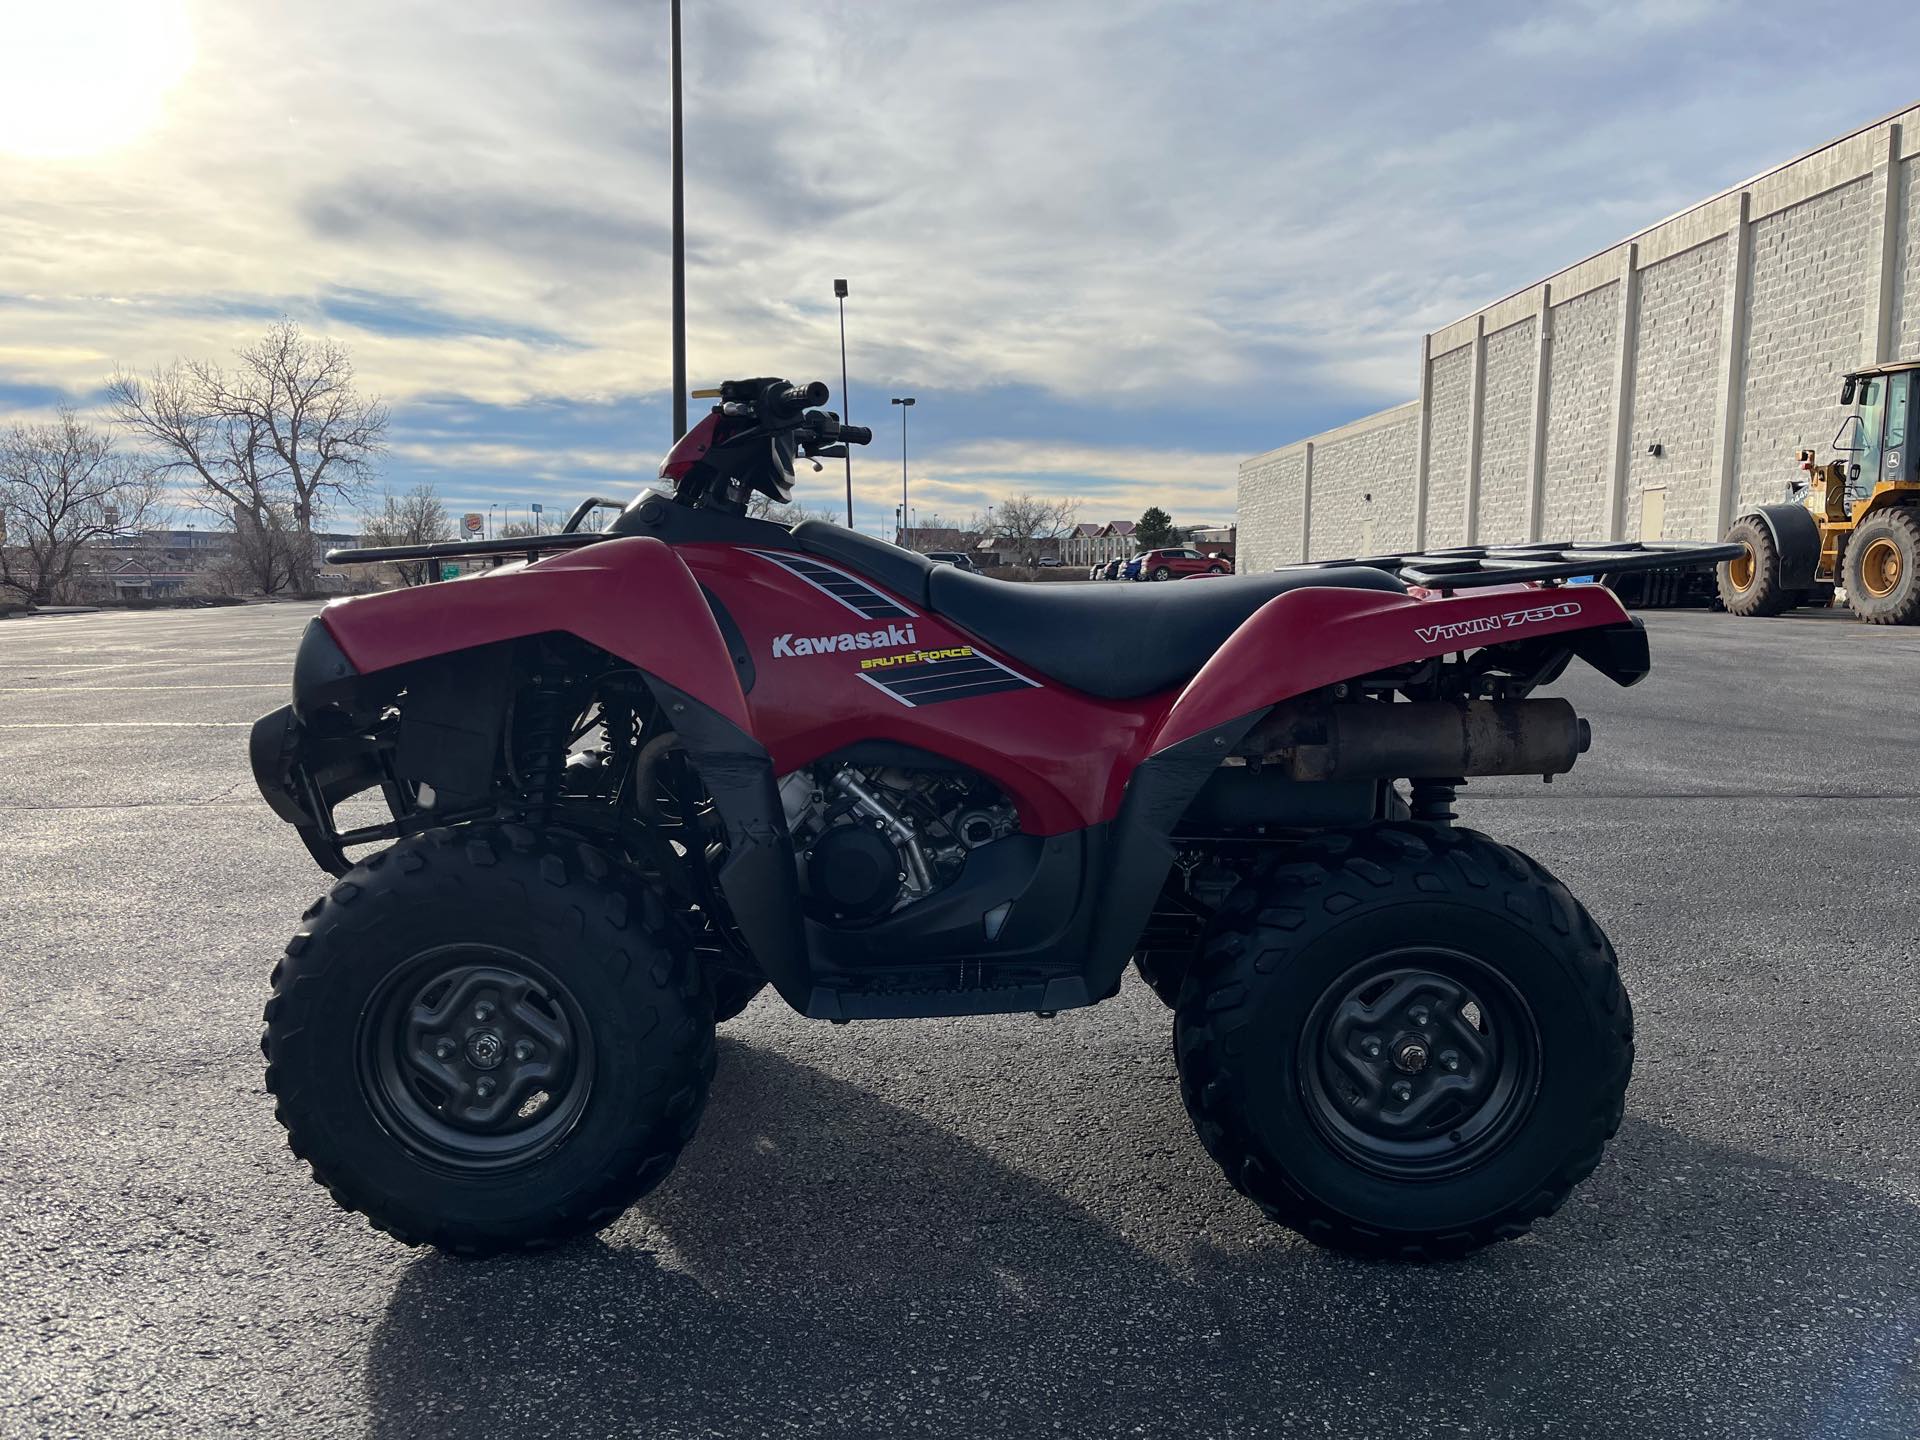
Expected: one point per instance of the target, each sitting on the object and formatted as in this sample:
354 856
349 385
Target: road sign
474 522
537 509
449 572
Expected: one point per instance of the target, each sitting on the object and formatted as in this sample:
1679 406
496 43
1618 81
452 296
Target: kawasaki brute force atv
641 773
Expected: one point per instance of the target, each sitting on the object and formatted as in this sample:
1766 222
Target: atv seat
1119 641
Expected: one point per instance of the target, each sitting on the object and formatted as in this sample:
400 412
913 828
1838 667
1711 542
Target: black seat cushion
1123 640
904 572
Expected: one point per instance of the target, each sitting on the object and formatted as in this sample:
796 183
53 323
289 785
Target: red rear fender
631 597
1304 639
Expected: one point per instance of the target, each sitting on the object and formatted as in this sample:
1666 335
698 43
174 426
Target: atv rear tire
1750 585
1405 1041
486 1040
1882 568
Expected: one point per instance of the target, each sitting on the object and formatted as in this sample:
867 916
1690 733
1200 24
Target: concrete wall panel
1676 389
1377 462
1579 415
1270 509
1447 455
1806 321
1506 427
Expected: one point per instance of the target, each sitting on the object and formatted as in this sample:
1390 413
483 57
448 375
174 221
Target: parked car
1049 562
1176 563
956 558
1111 570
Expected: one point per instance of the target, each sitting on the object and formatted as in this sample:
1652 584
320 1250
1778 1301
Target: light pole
490 509
904 404
679 238
846 396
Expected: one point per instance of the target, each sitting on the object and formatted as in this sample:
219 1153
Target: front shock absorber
541 735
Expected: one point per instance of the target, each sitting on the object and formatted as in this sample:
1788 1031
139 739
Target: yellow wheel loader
1853 522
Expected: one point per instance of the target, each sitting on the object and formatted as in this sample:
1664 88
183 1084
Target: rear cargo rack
528 545
1472 567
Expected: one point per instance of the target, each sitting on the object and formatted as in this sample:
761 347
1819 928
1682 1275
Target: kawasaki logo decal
1487 624
785 647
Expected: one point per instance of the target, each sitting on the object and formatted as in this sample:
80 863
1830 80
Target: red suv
1176 563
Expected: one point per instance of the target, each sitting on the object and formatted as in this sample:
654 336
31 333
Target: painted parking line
115 689
129 725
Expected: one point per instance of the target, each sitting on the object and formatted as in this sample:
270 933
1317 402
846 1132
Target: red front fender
1304 639
632 597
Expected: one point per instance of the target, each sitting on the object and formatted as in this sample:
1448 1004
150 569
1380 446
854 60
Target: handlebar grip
856 434
792 399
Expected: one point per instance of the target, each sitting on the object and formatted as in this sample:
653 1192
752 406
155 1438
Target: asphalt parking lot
976 1227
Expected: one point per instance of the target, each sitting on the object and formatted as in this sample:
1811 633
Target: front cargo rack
1472 567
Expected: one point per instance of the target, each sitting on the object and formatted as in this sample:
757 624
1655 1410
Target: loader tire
1404 1041
1882 568
487 1040
1750 585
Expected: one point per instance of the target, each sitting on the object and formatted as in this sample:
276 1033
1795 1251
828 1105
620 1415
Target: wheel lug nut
1403 1092
523 1049
443 1049
1370 1047
1418 1014
483 1087
1449 1060
483 1012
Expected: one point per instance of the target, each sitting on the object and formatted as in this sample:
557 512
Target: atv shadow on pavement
823 1262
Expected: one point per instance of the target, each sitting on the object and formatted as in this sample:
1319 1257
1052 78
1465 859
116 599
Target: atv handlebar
786 401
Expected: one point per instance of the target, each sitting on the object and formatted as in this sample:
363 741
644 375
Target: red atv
638 775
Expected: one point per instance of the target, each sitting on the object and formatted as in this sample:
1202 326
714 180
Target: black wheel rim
1419 1064
475 1058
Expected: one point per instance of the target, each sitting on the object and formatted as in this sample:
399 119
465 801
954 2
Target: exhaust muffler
1319 740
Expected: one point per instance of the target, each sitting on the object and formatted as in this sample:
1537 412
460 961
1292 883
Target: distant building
1094 543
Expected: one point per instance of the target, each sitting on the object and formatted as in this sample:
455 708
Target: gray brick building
1648 392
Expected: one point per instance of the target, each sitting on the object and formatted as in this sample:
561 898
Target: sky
1112 248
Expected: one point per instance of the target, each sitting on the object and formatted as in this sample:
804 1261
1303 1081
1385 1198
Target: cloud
1159 229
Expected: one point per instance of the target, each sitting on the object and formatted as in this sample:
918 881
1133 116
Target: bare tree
415 518
265 556
62 486
760 507
300 394
264 445
1021 524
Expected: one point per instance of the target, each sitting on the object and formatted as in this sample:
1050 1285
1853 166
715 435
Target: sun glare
81 76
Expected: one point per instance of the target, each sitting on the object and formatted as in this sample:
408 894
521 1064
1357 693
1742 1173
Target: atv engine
872 839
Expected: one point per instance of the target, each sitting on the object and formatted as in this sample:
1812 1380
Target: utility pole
679 240
904 404
846 395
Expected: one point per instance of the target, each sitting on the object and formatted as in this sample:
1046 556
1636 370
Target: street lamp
679 234
846 396
490 509
904 404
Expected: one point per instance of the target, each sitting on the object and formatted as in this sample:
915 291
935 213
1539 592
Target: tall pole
846 395
905 403
679 243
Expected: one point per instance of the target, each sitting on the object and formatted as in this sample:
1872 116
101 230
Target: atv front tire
1405 1041
486 1040
1750 584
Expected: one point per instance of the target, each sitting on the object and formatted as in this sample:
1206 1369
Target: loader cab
1873 439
